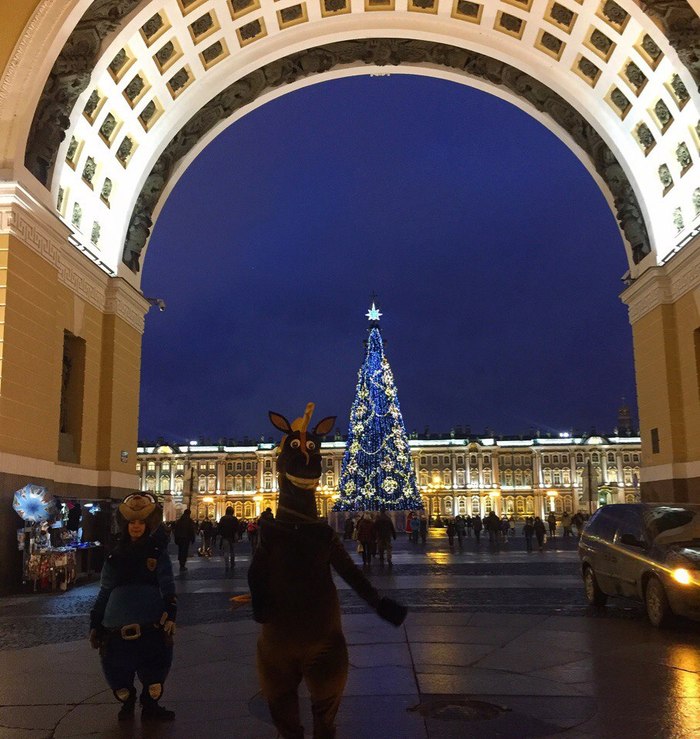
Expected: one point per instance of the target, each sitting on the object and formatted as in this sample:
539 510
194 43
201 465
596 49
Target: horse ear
280 422
324 426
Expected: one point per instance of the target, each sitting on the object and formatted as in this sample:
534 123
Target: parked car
648 552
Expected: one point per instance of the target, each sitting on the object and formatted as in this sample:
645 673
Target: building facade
510 475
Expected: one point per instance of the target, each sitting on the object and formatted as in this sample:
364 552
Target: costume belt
130 632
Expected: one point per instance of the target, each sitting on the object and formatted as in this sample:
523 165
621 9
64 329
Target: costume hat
137 506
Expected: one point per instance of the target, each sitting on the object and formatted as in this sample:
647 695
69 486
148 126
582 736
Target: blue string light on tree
377 468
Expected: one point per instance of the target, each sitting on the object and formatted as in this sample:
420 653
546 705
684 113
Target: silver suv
648 552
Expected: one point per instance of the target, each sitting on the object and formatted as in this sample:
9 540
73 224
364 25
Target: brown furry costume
293 592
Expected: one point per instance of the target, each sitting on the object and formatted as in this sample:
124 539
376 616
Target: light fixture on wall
157 303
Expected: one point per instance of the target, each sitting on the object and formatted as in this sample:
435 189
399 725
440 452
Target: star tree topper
373 313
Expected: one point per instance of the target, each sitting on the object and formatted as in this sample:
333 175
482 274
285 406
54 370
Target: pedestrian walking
460 529
266 515
552 523
228 532
423 528
540 531
528 530
366 537
385 534
566 523
132 622
511 526
470 525
451 530
349 528
505 528
415 528
477 525
493 525
184 532
252 531
207 530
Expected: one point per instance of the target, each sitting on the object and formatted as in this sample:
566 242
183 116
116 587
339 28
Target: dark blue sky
496 260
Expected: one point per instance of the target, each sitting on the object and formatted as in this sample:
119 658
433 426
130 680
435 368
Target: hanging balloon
34 503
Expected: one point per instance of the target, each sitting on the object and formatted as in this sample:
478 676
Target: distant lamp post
189 476
588 485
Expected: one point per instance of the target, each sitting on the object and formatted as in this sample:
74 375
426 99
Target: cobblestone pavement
498 644
504 579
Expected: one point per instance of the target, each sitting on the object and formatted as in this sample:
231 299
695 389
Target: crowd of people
374 531
225 533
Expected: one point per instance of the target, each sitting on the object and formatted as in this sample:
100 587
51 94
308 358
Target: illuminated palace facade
473 475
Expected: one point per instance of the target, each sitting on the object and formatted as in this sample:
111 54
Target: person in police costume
133 620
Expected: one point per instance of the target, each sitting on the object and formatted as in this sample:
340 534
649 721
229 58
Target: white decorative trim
22 216
19 52
126 303
15 464
665 284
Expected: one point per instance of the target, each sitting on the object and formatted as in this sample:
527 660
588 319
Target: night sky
494 256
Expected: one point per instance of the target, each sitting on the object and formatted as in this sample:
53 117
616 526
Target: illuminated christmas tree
377 467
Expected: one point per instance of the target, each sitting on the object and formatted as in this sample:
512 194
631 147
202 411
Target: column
664 310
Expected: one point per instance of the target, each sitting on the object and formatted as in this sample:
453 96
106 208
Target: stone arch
617 80
593 71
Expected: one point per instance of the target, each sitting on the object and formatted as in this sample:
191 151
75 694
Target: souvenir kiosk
45 565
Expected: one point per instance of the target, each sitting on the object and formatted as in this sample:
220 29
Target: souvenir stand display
47 566
84 526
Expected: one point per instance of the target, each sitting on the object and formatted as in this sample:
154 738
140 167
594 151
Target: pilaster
664 310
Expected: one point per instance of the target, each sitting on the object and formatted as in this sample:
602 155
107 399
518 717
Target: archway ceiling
140 85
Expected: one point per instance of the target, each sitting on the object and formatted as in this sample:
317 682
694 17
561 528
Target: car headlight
682 576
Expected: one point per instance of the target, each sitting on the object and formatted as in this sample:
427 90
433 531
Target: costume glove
94 638
167 624
392 611
169 628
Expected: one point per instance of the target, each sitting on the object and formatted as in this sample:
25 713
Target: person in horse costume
293 594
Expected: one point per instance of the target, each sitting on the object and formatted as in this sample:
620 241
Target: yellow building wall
37 310
119 395
668 390
658 382
687 323
4 254
31 357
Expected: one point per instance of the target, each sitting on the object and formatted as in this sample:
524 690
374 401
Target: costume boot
150 710
127 697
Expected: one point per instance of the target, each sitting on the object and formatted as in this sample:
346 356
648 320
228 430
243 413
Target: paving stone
524 640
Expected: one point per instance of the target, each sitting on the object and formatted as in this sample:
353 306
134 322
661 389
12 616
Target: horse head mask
299 462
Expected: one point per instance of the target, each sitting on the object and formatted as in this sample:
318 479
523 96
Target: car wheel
658 610
594 595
